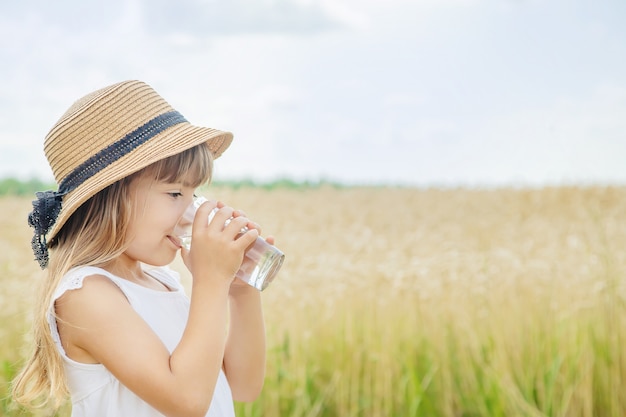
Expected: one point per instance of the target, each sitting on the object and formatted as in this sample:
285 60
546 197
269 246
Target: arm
244 357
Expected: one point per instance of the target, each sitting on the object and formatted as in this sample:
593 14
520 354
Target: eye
175 194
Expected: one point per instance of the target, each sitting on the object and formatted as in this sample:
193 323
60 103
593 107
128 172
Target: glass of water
261 261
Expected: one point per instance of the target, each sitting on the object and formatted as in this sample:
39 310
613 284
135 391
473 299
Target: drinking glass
261 261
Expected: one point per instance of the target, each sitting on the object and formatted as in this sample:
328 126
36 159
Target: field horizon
25 186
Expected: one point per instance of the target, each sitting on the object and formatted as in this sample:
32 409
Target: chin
160 262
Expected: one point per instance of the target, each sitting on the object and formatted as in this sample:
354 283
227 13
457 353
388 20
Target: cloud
72 16
570 140
163 17
236 17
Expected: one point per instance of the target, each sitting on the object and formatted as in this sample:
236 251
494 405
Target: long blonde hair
94 235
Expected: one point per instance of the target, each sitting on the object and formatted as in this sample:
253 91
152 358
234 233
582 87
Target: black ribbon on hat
45 212
47 207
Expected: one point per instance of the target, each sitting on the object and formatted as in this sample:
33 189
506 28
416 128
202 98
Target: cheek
156 222
141 228
145 241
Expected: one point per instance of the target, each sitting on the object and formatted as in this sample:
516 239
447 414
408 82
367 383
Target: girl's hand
238 286
218 249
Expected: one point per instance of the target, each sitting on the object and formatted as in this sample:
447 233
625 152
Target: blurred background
403 92
491 283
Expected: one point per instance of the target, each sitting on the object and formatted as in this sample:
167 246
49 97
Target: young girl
121 338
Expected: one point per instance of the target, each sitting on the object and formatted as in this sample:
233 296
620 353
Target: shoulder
86 285
75 277
87 292
85 312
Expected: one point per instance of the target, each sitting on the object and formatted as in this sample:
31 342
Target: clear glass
261 261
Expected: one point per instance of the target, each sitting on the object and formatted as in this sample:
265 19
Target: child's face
157 208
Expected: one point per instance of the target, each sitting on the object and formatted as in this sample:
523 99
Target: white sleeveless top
95 392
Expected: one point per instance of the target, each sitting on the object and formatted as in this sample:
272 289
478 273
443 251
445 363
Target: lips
175 241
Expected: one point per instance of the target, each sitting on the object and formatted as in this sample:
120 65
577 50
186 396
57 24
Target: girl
123 339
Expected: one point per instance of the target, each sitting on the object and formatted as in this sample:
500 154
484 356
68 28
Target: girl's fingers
234 223
203 212
221 216
251 224
227 215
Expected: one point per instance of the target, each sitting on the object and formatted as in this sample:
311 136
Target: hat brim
165 144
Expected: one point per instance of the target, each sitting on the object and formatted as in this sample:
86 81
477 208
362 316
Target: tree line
17 187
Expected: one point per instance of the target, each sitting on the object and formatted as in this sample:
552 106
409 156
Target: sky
433 93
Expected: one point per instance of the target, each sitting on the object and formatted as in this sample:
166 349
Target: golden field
410 302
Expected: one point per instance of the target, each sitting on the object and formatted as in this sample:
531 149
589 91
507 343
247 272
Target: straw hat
104 137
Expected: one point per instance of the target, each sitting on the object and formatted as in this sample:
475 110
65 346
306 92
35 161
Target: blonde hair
94 235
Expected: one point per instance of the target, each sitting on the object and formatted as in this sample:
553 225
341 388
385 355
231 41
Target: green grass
18 187
13 186
558 367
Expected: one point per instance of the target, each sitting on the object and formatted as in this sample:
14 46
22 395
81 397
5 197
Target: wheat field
416 302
